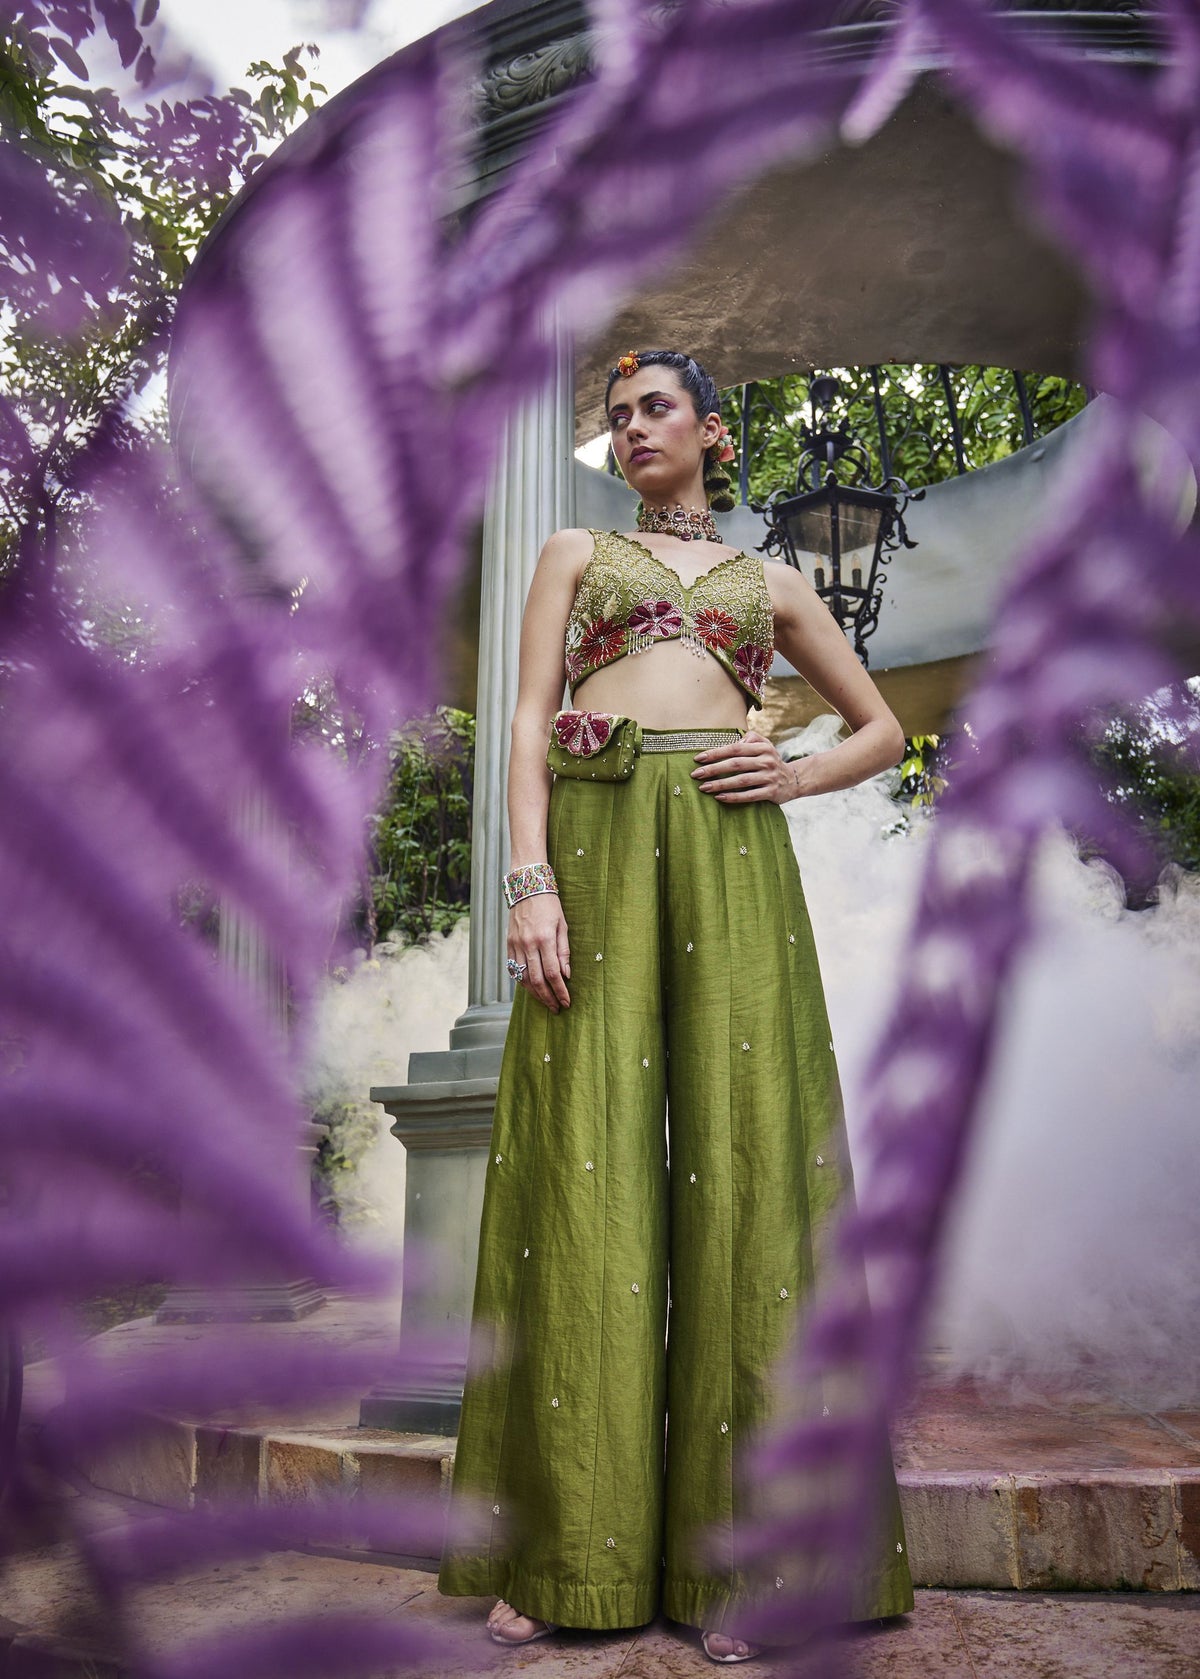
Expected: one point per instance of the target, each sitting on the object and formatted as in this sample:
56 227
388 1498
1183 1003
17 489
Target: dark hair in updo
702 389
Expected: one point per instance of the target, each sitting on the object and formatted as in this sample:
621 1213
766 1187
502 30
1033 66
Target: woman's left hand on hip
747 770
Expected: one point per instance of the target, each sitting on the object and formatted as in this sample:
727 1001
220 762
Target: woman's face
657 437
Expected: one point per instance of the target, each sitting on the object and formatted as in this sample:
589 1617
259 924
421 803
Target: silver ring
517 970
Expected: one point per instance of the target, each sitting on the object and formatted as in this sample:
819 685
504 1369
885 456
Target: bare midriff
666 687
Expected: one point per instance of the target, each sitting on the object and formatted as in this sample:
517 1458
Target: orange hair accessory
627 366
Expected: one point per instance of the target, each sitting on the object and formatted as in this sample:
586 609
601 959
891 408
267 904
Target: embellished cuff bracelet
527 882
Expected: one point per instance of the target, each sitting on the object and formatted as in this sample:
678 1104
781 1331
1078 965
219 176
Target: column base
455 1066
476 1048
445 1125
252 1303
483 1025
430 1404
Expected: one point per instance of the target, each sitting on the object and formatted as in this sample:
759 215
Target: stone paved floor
950 1635
955 1429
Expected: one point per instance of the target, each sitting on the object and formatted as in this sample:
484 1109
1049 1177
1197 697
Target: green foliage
1148 767
920 784
418 885
352 1128
160 179
286 96
421 840
917 784
917 419
1152 778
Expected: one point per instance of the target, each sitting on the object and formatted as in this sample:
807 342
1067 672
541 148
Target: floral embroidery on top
628 600
575 662
752 664
716 627
653 620
603 640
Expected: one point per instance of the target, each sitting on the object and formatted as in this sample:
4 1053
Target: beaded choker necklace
688 524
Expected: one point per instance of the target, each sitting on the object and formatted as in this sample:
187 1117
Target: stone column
247 955
443 1115
532 495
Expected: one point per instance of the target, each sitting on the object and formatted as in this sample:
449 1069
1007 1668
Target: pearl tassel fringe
641 641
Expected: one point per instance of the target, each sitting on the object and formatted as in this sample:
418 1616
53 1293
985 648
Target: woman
665 961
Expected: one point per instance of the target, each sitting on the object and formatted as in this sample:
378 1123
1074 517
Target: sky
228 34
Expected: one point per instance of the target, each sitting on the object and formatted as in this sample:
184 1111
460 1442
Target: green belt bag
594 745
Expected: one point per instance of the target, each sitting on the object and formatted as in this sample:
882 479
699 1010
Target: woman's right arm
537 929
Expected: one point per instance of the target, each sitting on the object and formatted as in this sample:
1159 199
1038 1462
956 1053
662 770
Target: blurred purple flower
343 363
1102 612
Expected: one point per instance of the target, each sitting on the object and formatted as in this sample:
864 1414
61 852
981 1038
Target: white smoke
369 1019
1075 1242
1076 1247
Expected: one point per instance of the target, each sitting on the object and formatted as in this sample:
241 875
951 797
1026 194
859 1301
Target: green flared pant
615 1290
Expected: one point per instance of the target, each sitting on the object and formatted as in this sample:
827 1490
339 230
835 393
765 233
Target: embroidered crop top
628 599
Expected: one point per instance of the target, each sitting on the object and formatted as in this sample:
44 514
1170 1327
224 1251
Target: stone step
1045 1489
1107 1530
1049 1489
1033 1525
180 1464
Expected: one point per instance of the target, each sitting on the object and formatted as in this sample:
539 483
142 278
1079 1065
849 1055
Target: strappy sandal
546 1629
752 1650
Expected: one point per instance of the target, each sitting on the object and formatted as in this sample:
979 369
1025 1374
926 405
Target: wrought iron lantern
840 531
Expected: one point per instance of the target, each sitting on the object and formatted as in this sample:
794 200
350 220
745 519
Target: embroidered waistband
687 740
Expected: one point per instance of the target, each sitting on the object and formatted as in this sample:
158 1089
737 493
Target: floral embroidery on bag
583 732
716 627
